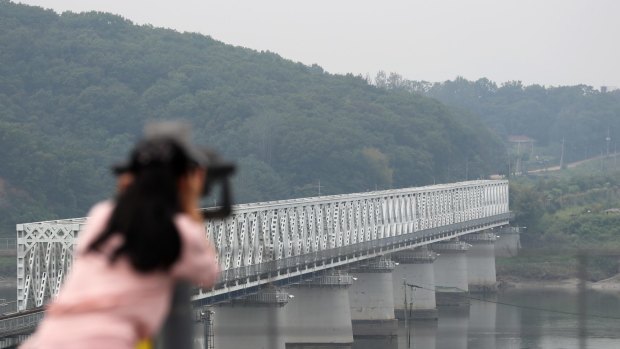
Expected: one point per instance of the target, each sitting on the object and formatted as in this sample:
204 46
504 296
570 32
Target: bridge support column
481 262
203 328
415 267
319 312
508 242
451 273
371 299
252 322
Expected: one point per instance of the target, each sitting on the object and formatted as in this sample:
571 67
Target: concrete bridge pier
252 322
451 273
509 241
371 298
481 262
202 321
319 315
415 267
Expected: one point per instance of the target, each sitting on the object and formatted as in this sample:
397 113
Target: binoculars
218 172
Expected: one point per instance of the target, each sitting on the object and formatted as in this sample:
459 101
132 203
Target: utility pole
582 323
408 308
518 165
608 139
466 169
406 312
562 155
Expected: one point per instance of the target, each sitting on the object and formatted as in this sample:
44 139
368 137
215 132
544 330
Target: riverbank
518 283
610 284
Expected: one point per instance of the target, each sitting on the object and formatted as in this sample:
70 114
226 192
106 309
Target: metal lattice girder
44 255
299 226
288 238
303 233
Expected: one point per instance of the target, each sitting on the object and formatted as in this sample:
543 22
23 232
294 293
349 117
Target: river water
488 324
8 294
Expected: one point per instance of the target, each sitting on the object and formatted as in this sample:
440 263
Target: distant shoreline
610 284
8 282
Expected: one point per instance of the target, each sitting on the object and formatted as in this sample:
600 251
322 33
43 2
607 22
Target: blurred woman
131 254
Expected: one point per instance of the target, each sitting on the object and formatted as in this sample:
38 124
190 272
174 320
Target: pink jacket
110 305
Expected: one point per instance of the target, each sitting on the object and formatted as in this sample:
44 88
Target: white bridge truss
282 240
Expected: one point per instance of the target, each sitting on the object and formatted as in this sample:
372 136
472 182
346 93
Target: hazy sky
551 42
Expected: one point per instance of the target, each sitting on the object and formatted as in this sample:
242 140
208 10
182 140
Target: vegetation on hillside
574 211
581 115
75 90
565 215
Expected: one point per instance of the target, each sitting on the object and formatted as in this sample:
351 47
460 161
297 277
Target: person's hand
190 191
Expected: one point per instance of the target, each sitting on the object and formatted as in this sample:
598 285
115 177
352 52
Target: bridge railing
20 323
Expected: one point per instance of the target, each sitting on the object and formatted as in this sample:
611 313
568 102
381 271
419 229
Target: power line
545 309
525 306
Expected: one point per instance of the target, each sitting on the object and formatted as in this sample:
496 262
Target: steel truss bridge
282 241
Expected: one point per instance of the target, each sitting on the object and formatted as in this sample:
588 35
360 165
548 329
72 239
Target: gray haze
551 42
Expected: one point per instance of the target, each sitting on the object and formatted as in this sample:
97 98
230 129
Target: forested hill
581 115
75 90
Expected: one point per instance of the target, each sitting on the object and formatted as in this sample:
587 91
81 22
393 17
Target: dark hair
144 212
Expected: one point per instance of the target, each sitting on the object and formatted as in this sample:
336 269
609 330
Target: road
571 165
